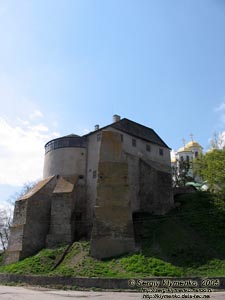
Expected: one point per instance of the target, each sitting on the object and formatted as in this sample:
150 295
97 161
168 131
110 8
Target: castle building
92 186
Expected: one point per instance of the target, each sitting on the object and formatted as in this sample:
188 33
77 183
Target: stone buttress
112 232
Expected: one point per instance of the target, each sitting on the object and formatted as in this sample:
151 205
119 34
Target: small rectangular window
134 142
121 137
94 174
160 151
148 147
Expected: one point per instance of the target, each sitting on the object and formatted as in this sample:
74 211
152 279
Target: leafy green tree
211 167
180 173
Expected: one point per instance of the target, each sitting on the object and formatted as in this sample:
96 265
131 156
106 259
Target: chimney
116 118
96 127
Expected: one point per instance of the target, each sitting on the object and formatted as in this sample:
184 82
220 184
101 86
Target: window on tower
98 137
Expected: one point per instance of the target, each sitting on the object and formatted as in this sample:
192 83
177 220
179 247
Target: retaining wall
110 283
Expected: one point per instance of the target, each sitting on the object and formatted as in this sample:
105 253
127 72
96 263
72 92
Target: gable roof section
136 130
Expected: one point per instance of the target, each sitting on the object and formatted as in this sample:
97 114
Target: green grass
188 241
42 263
191 237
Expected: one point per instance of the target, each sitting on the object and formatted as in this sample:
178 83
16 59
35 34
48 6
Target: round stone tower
65 156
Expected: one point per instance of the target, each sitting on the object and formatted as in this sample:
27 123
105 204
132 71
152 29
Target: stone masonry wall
30 222
156 195
68 211
112 233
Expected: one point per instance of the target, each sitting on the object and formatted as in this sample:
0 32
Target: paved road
31 293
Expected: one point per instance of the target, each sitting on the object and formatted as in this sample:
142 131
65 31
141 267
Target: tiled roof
136 130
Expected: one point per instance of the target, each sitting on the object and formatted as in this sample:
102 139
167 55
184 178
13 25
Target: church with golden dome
188 153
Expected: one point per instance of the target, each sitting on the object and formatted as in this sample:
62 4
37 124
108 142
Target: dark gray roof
71 135
136 130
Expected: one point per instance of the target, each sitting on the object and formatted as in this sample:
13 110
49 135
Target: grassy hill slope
189 241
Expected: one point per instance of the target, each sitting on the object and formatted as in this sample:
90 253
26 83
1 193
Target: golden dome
183 149
193 144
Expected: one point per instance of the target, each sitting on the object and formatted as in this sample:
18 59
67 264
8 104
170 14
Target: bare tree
218 140
5 222
25 189
6 214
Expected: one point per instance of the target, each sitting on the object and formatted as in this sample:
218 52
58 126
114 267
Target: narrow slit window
99 137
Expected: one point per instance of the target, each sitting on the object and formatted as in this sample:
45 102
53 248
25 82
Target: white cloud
55 124
39 127
24 122
222 119
221 107
221 111
218 140
22 150
36 114
86 131
55 134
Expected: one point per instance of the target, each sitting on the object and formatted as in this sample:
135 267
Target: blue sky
68 65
